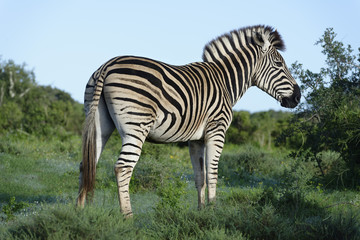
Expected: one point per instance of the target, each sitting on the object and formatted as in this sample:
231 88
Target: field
261 195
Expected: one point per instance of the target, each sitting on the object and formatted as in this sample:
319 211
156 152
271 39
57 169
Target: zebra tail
89 148
89 153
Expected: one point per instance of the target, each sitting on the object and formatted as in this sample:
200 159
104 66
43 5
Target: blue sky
64 42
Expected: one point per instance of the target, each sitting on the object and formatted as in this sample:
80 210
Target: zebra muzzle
293 100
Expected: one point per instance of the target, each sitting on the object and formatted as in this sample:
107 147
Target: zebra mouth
293 100
288 103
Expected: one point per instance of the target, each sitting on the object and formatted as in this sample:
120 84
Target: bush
62 222
10 116
171 192
343 224
38 110
249 164
329 119
150 174
13 207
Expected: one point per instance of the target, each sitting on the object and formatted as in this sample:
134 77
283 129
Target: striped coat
145 99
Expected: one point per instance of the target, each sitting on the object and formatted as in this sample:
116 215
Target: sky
64 42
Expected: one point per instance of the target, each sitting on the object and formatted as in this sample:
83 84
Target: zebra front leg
130 153
196 149
213 151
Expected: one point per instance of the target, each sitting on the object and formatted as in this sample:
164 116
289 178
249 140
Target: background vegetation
281 175
38 110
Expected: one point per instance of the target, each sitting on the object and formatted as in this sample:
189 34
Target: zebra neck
236 71
236 55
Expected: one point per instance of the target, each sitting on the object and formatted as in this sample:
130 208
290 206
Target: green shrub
63 222
170 193
249 165
150 174
7 145
232 221
329 119
10 116
343 224
13 207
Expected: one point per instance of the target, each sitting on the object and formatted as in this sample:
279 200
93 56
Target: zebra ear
263 41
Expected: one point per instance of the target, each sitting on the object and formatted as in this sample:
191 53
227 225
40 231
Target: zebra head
271 73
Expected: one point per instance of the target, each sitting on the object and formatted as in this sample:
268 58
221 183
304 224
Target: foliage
240 128
261 128
15 80
170 194
62 222
13 207
329 119
247 164
40 110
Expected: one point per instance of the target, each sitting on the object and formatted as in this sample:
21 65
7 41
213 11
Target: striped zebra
145 99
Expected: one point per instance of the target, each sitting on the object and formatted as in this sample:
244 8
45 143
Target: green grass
35 170
239 214
261 195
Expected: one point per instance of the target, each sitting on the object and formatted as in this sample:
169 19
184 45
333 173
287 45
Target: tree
240 128
40 110
329 119
260 128
15 80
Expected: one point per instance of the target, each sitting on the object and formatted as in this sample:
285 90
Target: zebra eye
278 62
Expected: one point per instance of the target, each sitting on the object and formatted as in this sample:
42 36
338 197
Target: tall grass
61 221
261 195
240 214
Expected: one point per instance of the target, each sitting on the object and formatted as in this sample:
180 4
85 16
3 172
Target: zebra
145 99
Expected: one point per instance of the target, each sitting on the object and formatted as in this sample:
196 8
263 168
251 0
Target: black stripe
149 77
136 102
139 114
230 69
131 144
126 160
139 123
134 136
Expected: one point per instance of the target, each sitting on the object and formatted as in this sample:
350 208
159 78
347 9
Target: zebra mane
242 37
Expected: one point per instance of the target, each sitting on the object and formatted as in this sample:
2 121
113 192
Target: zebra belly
168 130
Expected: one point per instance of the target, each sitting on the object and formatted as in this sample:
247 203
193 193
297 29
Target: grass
37 171
239 214
261 195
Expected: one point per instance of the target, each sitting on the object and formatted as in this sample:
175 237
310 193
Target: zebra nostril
297 94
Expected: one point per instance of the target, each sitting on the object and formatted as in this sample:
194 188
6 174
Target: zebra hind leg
130 153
